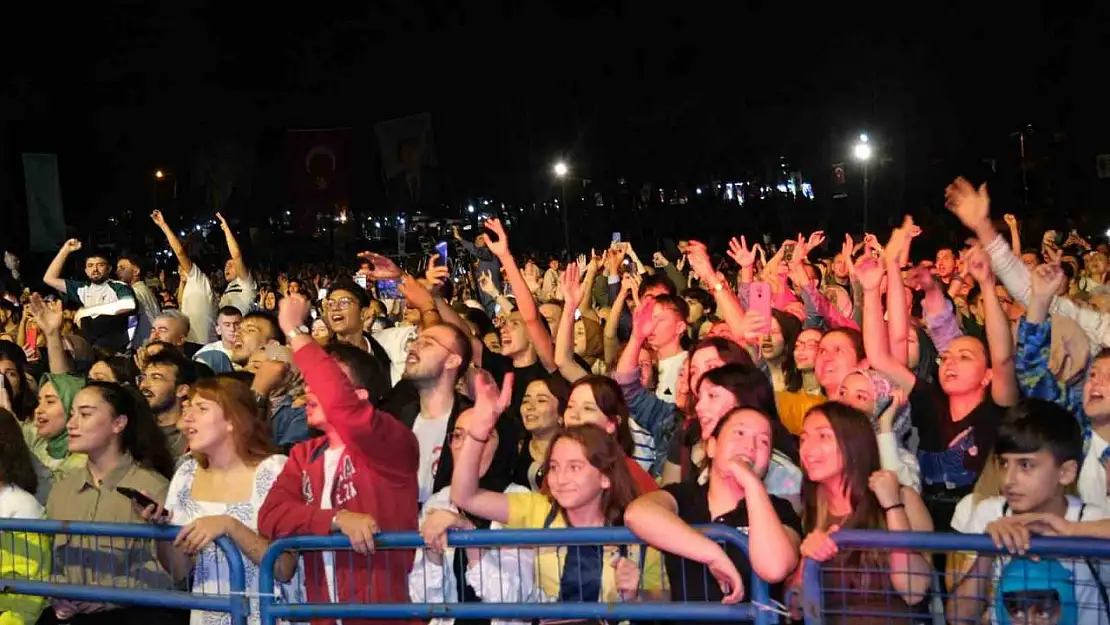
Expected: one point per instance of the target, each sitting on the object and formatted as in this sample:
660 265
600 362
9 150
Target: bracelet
480 440
894 507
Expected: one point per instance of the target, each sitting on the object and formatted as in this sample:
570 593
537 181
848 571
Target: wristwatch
298 331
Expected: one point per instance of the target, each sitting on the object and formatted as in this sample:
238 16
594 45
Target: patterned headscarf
882 387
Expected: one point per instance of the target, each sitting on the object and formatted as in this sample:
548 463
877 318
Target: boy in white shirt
1038 450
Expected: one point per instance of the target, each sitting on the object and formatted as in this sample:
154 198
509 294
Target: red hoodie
376 476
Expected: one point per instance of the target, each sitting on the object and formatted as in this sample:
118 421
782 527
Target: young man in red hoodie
359 479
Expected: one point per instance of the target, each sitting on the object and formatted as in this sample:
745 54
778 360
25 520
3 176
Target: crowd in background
790 392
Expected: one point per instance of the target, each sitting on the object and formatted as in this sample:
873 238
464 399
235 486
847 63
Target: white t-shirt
431 435
16 503
669 368
240 293
395 341
331 467
196 304
1092 474
1071 578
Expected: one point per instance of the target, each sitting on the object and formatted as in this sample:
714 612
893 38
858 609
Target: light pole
561 173
863 153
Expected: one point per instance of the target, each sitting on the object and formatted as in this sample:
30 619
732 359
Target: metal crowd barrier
756 607
99 540
1058 580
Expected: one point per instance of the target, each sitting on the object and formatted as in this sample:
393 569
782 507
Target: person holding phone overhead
488 262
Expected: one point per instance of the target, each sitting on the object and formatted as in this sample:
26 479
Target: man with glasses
345 310
435 362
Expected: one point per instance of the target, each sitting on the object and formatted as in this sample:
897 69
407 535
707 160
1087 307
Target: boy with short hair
1038 450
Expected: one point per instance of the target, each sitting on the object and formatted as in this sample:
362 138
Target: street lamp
561 170
160 176
863 152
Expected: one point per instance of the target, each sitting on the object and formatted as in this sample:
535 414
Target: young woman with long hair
113 426
777 352
587 485
739 452
541 411
597 400
723 390
13 367
219 488
846 488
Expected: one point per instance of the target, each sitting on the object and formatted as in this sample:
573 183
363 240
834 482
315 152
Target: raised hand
970 205
899 239
436 274
500 247
489 401
739 252
1047 280
699 261
898 400
815 240
381 267
869 273
979 266
223 222
1011 221
292 312
571 287
72 246
47 315
644 320
159 220
485 282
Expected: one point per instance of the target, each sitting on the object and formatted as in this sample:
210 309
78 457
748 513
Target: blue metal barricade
756 608
45 581
1058 580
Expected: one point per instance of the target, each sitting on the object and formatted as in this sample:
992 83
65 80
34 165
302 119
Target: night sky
661 92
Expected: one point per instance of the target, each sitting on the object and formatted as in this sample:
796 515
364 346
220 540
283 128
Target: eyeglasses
339 303
424 340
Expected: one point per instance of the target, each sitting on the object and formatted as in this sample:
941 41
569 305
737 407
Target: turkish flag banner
319 162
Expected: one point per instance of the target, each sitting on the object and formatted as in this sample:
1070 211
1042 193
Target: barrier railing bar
235 602
757 591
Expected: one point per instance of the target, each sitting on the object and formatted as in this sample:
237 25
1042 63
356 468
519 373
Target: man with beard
435 362
166 384
105 304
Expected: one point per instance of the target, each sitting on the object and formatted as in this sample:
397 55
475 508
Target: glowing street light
863 152
561 170
159 174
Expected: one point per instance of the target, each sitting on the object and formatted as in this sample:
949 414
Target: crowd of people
787 395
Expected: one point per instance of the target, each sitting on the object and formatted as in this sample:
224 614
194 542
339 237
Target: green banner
45 218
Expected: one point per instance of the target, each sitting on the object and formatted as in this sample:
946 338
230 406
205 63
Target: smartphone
441 249
759 299
616 237
323 294
788 251
387 289
360 280
137 497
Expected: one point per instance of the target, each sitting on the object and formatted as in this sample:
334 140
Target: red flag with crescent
319 161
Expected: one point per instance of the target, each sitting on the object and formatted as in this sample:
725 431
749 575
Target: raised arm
175 244
728 304
489 403
564 341
875 335
537 332
1004 385
48 317
897 312
53 277
1015 233
233 248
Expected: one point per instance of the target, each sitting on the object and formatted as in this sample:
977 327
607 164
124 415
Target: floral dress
210 573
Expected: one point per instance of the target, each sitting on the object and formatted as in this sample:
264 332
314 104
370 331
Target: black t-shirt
499 366
952 454
690 580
